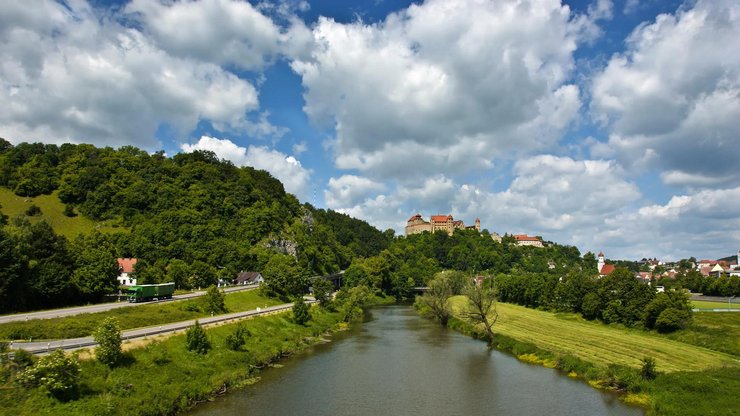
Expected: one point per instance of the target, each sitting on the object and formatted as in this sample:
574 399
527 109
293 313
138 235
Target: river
398 363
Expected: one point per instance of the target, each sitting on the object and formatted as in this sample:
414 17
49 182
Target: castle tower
600 265
477 227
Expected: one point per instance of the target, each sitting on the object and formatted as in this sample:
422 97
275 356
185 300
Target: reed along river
398 363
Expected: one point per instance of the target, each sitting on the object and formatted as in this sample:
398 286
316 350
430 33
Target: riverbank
692 380
164 378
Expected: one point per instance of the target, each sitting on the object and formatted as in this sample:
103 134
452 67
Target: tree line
191 218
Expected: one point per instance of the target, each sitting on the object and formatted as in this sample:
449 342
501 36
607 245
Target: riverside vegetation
164 377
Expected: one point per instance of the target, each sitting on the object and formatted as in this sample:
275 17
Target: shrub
33 210
238 338
301 314
590 306
108 336
196 339
69 211
213 301
648 371
57 373
671 319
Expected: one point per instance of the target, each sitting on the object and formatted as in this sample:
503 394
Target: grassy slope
51 211
602 344
131 317
163 378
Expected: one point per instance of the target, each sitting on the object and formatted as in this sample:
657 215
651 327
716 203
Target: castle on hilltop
417 224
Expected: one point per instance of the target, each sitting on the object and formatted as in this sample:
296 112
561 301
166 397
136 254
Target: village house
526 240
248 278
125 271
604 269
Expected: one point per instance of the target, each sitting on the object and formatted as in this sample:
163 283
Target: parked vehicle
144 293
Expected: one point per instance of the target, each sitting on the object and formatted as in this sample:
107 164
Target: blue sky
609 125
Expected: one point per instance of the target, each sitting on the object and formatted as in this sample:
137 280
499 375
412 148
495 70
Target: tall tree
481 307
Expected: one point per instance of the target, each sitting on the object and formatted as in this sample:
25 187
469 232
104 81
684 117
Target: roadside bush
58 373
671 319
213 300
236 340
301 314
108 336
196 339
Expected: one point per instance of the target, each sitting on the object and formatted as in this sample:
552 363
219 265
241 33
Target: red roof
441 218
415 217
601 254
525 237
608 268
126 265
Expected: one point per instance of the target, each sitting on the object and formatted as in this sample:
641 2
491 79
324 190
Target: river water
398 363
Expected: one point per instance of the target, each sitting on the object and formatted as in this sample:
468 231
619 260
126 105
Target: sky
609 125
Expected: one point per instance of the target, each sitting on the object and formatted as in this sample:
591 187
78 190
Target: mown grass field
164 378
51 211
601 344
714 305
131 317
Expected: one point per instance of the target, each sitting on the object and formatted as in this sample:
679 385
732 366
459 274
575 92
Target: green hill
51 211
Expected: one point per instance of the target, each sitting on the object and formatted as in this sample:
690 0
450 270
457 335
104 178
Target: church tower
600 265
477 227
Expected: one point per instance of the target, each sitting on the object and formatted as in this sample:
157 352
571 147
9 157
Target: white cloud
349 190
672 100
225 32
73 73
443 85
287 169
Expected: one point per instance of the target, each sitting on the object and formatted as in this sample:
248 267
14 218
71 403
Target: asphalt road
102 307
77 343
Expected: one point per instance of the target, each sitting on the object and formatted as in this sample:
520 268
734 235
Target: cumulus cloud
443 84
287 169
672 100
73 73
349 190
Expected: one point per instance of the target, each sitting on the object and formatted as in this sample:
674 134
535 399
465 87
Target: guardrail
77 343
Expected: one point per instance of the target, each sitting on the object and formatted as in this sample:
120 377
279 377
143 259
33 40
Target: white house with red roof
526 240
604 269
126 268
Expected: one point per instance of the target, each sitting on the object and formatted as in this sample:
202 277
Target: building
248 278
526 240
496 237
446 223
604 269
125 271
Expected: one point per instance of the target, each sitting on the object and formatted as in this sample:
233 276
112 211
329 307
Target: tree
671 319
196 339
352 301
203 275
58 373
283 277
213 300
108 336
301 312
322 290
436 298
647 371
481 307
236 340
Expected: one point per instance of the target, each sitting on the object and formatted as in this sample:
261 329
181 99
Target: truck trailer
144 293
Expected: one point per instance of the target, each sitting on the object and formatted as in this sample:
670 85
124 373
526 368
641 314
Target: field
133 317
714 305
601 344
51 211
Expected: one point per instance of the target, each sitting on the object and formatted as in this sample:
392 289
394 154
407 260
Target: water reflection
400 364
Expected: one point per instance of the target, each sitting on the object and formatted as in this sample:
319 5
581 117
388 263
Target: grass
51 211
601 344
164 378
700 304
130 317
717 331
692 380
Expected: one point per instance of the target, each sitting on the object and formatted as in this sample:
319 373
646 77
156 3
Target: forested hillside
190 218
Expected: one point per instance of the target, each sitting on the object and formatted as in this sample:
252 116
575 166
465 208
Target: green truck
144 293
